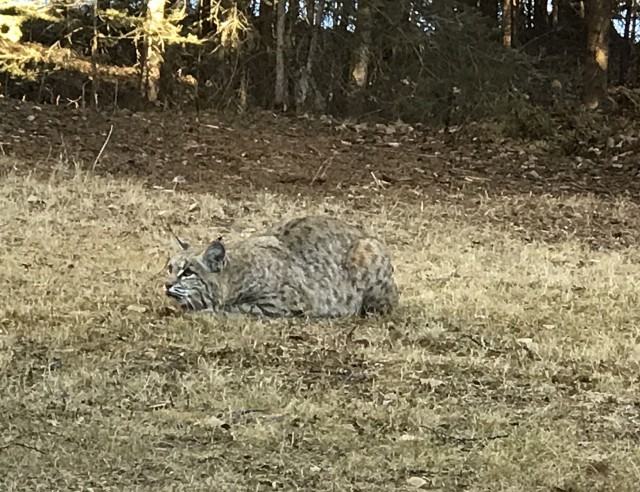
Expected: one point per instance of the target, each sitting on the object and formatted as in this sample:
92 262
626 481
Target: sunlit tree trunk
598 20
153 49
507 23
362 54
280 88
362 58
94 54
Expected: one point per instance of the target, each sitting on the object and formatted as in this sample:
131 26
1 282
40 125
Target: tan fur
310 266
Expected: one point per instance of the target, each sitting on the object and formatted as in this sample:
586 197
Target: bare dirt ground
511 363
299 156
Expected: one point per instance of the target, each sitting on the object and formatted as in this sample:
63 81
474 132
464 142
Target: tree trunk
540 17
94 55
280 89
153 52
310 6
518 20
362 56
554 14
265 22
313 43
294 15
360 72
507 23
305 82
598 20
633 59
628 41
489 8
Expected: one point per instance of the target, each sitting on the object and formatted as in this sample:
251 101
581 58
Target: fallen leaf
431 382
389 398
598 467
417 482
34 199
191 144
136 309
409 438
529 345
214 423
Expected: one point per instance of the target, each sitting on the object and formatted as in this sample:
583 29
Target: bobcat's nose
168 286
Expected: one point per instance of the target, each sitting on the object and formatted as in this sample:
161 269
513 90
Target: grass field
511 364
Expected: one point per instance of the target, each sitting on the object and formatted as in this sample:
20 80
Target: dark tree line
386 58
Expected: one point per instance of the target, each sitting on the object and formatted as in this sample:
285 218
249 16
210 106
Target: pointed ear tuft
183 245
214 256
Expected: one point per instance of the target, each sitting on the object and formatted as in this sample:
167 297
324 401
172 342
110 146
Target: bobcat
311 266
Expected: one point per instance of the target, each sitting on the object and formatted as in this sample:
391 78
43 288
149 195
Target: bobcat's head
192 276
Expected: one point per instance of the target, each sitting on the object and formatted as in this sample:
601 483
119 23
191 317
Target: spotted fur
310 266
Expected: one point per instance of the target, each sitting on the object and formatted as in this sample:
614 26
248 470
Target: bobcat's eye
169 268
187 272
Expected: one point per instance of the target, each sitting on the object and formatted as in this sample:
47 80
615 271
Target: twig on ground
20 445
450 437
315 149
321 170
350 333
104 145
379 184
482 343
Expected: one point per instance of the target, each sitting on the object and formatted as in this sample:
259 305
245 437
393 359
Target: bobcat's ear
214 256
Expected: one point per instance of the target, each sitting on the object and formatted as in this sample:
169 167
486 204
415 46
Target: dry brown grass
511 364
